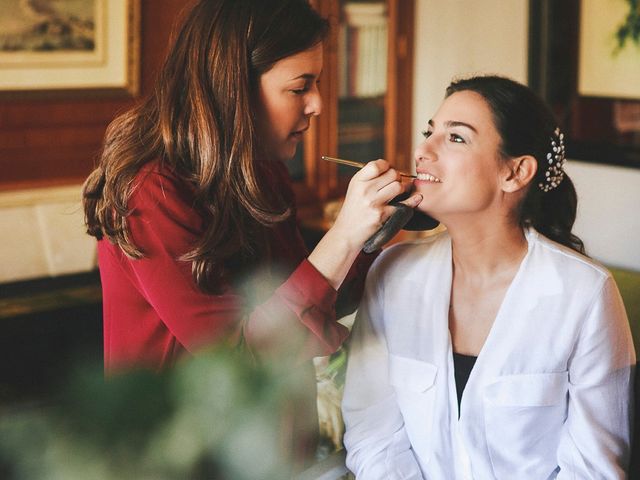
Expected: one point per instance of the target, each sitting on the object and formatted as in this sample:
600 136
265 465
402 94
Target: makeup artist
192 203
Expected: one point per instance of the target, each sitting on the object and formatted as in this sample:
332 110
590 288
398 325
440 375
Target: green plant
217 415
629 29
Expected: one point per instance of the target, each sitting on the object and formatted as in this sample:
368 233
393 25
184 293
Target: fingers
389 191
366 206
378 176
373 169
387 210
383 183
413 201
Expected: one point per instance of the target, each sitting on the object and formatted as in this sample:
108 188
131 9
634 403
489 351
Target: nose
313 106
423 153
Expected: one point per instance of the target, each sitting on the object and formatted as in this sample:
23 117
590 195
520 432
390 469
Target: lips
300 132
427 177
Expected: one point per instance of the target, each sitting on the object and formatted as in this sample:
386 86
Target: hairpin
554 172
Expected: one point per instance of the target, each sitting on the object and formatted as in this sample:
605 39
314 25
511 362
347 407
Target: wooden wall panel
56 141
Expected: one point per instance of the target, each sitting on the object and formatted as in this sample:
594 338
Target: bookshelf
366 88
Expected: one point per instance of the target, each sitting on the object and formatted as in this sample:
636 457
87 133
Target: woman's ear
520 172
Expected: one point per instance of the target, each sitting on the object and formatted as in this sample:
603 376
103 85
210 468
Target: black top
462 365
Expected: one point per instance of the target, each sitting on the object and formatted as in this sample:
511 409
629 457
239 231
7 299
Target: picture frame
72 48
591 85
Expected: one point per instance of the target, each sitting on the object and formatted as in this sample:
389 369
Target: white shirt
548 398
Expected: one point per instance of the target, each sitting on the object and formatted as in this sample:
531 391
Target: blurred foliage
330 376
213 416
630 28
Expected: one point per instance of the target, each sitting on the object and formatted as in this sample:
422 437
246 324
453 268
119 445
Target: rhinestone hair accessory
556 160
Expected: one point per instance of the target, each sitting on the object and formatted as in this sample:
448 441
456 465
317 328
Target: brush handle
393 225
353 163
404 218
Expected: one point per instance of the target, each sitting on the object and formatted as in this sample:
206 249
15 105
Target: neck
484 250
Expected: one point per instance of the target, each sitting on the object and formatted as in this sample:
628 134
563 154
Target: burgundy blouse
153 311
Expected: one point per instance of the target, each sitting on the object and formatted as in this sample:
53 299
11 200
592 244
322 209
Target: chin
280 156
287 157
424 208
286 153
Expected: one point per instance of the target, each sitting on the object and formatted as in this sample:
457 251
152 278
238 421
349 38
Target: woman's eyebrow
455 123
306 76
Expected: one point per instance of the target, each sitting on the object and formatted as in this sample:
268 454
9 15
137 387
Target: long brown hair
199 122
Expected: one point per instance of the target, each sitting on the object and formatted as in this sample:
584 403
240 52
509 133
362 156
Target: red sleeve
304 304
165 226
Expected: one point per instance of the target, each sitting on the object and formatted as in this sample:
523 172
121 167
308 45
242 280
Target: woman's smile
427 177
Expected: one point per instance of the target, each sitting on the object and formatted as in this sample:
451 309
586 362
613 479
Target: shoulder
162 204
566 260
157 191
159 183
576 279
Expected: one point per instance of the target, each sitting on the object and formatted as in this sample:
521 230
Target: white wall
608 220
461 37
458 37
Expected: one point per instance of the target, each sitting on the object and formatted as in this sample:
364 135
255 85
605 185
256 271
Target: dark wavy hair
526 125
199 122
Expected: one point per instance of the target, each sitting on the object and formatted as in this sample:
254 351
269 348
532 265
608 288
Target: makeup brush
355 164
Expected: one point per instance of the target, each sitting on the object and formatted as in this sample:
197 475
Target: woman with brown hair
191 198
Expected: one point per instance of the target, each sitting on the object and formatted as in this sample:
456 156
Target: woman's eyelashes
452 137
455 138
304 89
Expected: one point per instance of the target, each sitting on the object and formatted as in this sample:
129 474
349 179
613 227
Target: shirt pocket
524 416
414 382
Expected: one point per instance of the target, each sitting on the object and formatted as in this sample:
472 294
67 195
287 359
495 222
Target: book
363 50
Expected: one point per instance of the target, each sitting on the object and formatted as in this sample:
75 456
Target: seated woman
497 349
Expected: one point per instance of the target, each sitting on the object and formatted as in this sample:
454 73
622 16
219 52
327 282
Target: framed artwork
605 68
584 59
50 47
